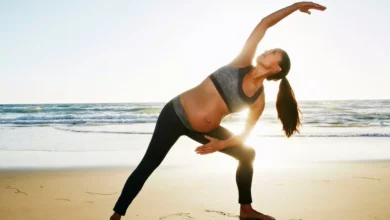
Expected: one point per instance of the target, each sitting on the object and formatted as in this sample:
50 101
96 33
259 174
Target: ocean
117 134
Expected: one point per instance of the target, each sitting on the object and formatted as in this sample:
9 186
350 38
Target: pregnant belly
203 120
204 111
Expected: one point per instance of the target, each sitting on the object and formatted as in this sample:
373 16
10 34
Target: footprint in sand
63 199
375 218
17 190
178 216
223 213
103 194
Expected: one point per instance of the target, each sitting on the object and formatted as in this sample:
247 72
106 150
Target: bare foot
249 212
115 216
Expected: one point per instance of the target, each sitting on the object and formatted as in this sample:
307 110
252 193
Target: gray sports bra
228 81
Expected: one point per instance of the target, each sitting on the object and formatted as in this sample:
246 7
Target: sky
151 50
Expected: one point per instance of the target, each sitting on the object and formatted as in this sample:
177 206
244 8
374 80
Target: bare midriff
204 106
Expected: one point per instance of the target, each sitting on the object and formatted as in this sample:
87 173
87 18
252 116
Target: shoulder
225 69
232 69
239 63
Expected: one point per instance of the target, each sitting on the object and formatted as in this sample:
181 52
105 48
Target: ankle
246 207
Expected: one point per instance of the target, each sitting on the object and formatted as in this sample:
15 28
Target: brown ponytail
286 105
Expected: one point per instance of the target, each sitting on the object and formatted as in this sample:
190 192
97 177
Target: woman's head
278 63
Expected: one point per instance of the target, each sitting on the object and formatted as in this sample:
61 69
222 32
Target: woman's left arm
254 113
247 53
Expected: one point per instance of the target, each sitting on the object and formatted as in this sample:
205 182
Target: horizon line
308 100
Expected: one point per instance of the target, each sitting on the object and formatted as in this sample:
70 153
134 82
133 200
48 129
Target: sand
331 190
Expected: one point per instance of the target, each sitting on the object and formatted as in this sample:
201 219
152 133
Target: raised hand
306 6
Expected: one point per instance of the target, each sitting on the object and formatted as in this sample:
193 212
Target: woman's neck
257 75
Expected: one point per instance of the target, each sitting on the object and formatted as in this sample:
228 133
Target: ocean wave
104 132
37 109
152 118
257 135
333 135
75 122
82 119
345 113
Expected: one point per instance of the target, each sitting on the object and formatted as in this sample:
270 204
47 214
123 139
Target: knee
248 155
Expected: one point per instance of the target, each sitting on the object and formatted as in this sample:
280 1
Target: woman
198 112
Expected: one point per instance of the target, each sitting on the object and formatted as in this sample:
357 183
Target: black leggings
167 131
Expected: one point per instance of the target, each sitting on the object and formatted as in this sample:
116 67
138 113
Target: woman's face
270 60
